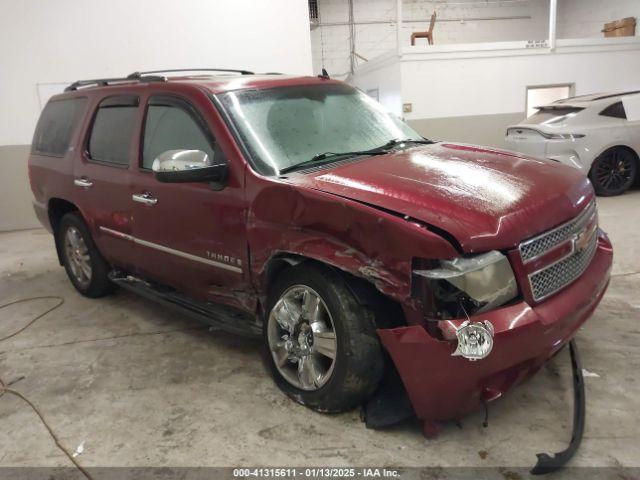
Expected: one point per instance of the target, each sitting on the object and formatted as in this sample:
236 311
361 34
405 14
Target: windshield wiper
397 141
327 157
373 151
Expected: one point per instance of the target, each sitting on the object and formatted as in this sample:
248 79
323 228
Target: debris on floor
79 450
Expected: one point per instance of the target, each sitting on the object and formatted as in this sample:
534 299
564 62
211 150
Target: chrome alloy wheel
302 338
78 257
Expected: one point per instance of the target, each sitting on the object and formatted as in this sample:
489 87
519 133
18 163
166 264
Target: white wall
586 18
473 95
45 44
494 81
383 75
331 42
66 40
575 19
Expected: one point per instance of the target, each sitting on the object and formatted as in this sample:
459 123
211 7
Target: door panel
190 235
102 178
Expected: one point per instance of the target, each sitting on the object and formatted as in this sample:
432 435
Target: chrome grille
536 246
555 276
548 281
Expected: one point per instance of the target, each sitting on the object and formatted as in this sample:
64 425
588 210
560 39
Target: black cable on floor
4 388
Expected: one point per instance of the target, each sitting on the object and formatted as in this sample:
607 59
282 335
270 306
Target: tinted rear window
56 126
112 130
615 110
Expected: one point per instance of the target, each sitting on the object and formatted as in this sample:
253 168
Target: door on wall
189 235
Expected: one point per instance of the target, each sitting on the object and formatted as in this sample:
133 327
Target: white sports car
599 134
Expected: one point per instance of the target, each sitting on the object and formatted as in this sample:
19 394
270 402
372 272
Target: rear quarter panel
52 176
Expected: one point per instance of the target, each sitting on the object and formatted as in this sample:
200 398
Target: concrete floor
139 386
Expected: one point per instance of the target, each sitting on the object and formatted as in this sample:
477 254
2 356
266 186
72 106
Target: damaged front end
480 336
466 286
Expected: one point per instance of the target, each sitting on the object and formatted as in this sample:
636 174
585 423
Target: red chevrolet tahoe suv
298 209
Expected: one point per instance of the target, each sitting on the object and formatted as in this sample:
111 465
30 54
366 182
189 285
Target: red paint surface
370 218
484 198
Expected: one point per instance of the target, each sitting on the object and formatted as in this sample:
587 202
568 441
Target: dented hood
486 199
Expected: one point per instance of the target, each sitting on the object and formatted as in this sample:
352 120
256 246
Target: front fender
360 239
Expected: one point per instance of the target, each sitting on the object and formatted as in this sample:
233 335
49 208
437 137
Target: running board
220 316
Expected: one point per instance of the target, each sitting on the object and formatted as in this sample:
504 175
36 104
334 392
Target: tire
84 265
355 370
613 172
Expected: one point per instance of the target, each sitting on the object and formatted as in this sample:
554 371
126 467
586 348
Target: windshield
286 126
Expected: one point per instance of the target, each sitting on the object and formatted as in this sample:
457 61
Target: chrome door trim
171 251
118 234
82 182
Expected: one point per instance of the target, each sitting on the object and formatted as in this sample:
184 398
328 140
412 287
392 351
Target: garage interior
125 383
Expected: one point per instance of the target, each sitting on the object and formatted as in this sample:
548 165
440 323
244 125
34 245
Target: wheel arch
389 312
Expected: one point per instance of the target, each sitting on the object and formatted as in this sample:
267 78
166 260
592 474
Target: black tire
359 363
98 285
613 172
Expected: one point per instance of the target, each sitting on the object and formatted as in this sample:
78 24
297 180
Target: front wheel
613 172
322 347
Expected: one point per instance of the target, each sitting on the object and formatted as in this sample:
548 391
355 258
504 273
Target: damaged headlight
465 286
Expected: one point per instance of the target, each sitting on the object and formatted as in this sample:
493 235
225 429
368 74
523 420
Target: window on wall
596 19
313 11
540 96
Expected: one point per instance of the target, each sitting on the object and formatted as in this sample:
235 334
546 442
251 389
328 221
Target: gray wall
16 211
488 130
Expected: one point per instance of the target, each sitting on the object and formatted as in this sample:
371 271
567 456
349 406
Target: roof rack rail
138 75
103 82
148 76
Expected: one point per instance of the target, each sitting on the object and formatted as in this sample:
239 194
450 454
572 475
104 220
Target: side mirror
175 166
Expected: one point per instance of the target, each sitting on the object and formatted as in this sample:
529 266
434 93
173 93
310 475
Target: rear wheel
322 347
85 267
613 172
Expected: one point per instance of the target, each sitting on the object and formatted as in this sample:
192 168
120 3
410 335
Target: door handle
82 182
145 198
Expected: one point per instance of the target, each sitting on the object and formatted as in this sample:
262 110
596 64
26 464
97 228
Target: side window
171 124
56 126
615 110
112 129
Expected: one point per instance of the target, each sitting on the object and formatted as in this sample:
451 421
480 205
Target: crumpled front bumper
443 387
